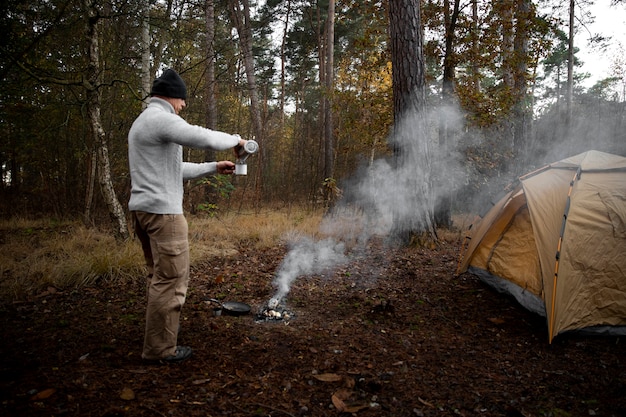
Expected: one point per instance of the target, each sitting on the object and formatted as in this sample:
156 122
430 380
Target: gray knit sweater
155 156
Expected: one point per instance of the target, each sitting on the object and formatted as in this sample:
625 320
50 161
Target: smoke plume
306 257
383 196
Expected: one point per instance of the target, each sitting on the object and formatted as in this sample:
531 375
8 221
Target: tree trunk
521 111
507 51
570 70
443 209
211 97
475 47
120 227
161 40
329 148
283 60
145 55
241 19
322 74
91 179
413 218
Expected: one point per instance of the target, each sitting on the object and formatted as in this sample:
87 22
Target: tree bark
161 40
120 227
522 112
283 60
475 47
443 212
506 12
241 19
570 69
145 55
329 148
211 97
91 179
413 219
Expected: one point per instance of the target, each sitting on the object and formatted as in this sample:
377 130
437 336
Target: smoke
388 196
382 198
306 257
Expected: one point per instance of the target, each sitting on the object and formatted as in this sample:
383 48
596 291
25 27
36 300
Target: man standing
157 172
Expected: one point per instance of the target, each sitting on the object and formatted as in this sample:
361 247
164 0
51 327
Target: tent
556 241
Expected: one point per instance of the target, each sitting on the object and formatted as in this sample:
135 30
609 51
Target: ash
274 312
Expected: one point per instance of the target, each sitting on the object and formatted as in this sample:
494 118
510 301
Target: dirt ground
392 333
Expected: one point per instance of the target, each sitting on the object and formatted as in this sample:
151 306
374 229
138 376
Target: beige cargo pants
165 244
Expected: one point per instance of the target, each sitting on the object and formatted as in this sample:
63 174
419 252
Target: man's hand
239 146
225 167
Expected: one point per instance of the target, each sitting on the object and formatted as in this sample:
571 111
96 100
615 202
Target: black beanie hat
169 84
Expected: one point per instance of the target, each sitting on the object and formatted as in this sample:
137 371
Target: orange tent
557 243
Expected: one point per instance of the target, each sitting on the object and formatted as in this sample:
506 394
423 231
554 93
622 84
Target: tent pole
558 254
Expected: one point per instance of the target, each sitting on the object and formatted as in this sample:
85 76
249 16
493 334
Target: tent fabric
557 243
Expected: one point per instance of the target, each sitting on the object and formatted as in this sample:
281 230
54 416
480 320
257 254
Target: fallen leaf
495 320
339 404
354 408
200 381
328 377
340 401
127 394
42 395
219 279
343 394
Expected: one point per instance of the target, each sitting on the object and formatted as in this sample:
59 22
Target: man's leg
146 247
168 287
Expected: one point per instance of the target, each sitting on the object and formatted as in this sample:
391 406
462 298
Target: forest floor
391 333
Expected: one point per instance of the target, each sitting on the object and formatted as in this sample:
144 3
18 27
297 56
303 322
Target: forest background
503 96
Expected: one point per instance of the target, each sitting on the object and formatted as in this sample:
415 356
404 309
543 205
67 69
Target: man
157 172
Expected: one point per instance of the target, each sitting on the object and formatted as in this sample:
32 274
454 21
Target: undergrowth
38 254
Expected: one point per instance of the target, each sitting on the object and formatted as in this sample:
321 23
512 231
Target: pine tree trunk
329 148
570 69
241 19
145 54
522 115
443 209
413 218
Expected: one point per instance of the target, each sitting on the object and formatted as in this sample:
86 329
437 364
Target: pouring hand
239 147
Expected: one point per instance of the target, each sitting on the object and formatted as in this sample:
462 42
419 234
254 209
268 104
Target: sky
609 21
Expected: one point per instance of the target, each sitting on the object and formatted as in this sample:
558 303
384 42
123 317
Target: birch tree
92 85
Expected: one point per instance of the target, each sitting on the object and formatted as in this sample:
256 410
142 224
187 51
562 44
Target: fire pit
274 312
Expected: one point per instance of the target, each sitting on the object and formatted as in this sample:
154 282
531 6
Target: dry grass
35 255
38 254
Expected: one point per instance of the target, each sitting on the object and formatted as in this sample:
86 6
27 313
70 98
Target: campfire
273 312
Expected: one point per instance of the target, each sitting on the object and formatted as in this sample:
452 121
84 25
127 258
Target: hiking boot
182 353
